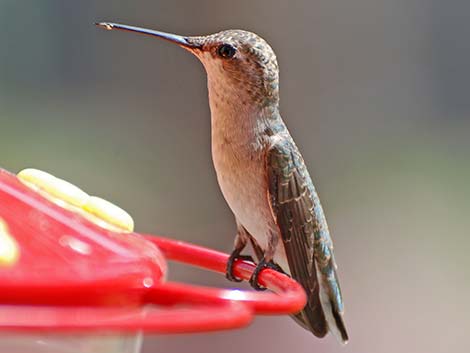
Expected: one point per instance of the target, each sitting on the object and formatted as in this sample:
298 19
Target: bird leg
257 248
266 262
240 242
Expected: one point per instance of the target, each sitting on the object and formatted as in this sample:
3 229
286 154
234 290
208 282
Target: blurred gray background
376 94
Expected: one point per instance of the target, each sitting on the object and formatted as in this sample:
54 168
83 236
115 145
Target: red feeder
65 280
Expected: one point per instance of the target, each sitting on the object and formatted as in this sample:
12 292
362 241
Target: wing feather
306 239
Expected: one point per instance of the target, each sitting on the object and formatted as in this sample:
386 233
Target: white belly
244 186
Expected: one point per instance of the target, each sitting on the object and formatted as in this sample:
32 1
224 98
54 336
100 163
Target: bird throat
237 119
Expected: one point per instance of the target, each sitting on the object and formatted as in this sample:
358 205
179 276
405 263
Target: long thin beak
173 38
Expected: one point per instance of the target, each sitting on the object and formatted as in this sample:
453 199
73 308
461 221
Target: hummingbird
261 172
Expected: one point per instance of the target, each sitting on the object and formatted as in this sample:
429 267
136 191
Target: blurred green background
376 94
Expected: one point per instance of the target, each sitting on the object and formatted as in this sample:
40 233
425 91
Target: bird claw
231 261
259 268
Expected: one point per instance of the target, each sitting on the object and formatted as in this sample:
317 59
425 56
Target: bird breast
241 175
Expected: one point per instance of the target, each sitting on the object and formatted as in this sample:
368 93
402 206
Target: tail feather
320 318
312 318
341 333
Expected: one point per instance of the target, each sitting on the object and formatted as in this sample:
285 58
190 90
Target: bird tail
320 316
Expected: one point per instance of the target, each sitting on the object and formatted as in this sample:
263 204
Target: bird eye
226 51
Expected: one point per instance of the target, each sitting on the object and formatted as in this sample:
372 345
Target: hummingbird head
241 66
239 63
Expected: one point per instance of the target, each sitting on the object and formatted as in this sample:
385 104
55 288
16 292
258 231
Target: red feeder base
66 274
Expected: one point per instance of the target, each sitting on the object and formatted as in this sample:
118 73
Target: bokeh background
375 92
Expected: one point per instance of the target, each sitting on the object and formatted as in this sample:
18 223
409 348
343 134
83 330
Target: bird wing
299 216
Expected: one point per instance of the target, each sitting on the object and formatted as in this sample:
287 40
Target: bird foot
231 261
259 268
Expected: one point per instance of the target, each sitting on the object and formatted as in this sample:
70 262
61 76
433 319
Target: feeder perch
75 277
